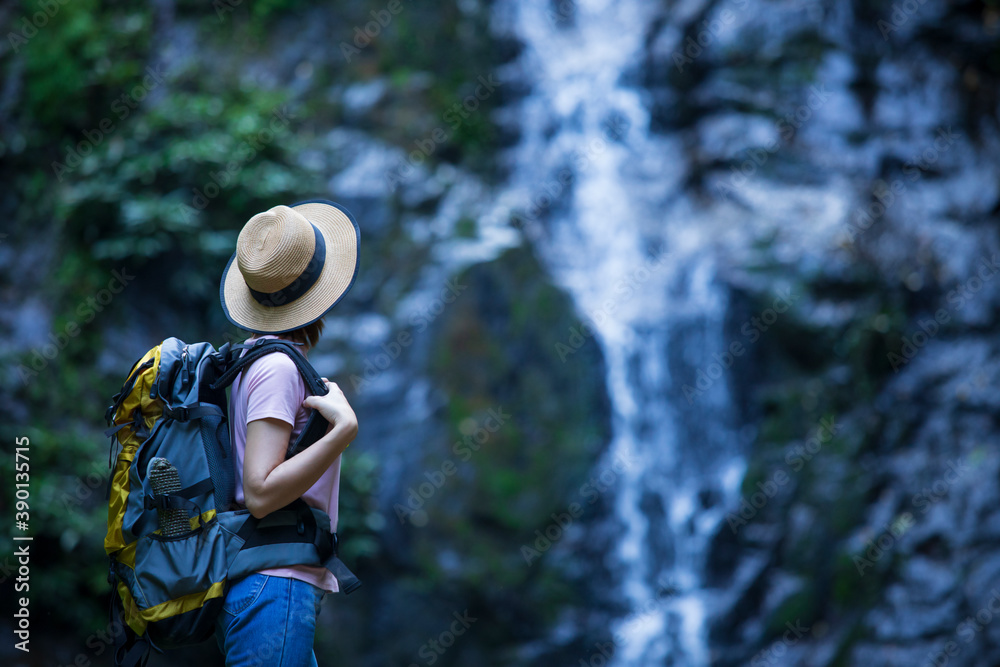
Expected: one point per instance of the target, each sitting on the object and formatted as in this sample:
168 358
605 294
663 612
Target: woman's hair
308 335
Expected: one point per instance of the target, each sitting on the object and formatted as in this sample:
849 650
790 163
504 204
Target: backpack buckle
179 413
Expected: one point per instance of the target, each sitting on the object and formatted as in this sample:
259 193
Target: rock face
857 142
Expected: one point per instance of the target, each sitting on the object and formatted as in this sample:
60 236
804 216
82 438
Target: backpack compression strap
130 650
316 425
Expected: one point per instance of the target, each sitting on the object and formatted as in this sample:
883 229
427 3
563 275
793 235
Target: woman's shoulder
274 367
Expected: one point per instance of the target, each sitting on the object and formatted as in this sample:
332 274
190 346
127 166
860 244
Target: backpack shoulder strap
266 346
316 424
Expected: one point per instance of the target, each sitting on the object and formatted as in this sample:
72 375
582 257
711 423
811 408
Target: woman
295 263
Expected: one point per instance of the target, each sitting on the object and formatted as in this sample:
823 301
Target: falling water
602 199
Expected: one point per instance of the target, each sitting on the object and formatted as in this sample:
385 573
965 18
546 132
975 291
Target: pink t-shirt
273 387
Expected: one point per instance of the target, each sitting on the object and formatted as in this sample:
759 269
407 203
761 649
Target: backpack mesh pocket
215 439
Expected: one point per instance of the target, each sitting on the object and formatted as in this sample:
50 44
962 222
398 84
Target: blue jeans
269 621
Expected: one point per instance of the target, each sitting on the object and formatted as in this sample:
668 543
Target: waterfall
602 200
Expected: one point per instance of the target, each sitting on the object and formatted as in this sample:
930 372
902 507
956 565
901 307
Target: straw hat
295 263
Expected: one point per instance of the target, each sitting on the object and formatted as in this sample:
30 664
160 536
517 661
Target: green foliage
123 153
359 521
80 58
799 607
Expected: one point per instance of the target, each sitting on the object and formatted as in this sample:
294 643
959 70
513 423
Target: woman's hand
269 481
334 408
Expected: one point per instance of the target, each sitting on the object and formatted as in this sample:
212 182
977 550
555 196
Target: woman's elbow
258 508
257 512
351 430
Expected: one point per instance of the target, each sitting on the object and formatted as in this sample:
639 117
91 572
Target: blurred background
673 341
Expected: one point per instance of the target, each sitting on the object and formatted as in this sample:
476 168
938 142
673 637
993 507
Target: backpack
176 539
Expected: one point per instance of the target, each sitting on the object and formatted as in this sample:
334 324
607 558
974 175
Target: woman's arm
269 481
